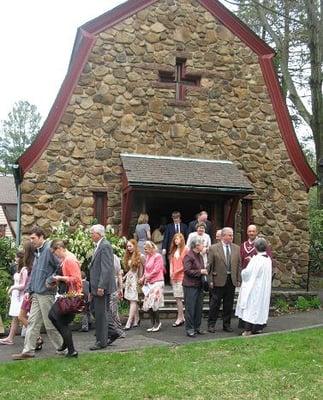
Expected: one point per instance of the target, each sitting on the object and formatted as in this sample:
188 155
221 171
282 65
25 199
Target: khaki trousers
40 306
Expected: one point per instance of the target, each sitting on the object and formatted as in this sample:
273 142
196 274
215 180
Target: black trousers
193 299
219 293
61 323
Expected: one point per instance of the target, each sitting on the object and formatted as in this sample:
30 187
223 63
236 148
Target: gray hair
100 229
260 245
195 242
226 230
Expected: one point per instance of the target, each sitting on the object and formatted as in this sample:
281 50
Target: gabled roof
86 37
187 173
8 193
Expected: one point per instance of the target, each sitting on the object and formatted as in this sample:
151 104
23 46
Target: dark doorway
160 204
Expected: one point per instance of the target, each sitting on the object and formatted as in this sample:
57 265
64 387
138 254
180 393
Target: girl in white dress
133 263
17 294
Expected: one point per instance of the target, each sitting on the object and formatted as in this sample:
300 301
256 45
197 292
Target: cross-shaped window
180 79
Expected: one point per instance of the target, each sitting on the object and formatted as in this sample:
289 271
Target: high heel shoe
127 328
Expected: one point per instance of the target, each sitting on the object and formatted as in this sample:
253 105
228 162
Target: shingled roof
8 193
192 173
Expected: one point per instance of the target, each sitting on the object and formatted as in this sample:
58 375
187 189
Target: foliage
281 306
304 304
123 307
80 243
7 255
316 234
282 366
17 133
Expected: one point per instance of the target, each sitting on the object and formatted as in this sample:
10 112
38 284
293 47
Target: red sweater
71 270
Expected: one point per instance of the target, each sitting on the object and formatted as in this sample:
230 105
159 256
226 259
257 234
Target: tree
295 29
17 133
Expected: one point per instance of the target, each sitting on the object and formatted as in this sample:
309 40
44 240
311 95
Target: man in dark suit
102 284
224 276
201 217
176 227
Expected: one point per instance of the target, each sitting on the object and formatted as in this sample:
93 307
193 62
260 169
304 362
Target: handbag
71 304
205 283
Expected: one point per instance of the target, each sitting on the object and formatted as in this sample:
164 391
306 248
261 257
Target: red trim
236 26
85 39
286 128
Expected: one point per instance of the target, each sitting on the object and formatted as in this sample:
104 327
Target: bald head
252 232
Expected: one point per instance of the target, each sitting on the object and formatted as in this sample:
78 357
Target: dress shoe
23 356
156 328
150 329
127 328
211 329
190 334
176 324
200 332
227 329
112 338
72 355
97 346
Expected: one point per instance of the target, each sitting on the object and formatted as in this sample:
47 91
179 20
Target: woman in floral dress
134 264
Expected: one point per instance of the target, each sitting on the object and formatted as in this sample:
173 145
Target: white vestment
254 296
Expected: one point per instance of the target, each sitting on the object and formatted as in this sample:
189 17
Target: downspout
18 180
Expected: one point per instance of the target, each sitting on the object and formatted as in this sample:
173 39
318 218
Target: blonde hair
143 218
151 245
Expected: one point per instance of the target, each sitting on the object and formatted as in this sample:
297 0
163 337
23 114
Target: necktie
176 228
228 258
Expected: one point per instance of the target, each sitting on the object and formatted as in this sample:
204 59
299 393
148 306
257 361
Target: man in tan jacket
224 276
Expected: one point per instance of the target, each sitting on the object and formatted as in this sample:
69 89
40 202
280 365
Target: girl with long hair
177 252
16 291
134 265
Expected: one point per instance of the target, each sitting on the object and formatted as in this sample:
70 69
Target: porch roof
184 173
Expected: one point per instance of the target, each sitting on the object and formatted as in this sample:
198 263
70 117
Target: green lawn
280 366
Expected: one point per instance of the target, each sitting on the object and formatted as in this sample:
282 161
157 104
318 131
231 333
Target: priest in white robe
254 296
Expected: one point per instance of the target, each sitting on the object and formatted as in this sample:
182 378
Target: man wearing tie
102 285
224 276
176 227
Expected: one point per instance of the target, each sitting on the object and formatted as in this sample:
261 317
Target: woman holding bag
71 277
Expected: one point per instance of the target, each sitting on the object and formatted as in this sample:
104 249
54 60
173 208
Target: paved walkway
168 336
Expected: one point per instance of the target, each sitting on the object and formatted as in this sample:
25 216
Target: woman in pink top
71 277
153 281
176 255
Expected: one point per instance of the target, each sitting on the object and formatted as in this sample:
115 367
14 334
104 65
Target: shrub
304 304
316 234
80 243
7 255
281 305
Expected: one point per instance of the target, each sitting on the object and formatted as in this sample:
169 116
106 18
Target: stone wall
117 106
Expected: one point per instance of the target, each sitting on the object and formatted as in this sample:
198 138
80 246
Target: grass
280 366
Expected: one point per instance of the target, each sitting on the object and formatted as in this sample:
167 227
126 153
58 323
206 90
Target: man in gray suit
102 284
224 276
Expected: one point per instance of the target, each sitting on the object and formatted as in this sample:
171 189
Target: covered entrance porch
160 185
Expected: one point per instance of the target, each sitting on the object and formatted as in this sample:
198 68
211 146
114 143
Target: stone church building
171 105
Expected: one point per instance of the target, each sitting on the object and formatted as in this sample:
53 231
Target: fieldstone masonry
118 107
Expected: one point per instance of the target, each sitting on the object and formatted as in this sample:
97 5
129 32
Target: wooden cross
180 79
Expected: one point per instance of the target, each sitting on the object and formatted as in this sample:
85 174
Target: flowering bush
7 256
80 243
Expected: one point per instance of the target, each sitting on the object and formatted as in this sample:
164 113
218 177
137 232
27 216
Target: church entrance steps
169 311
